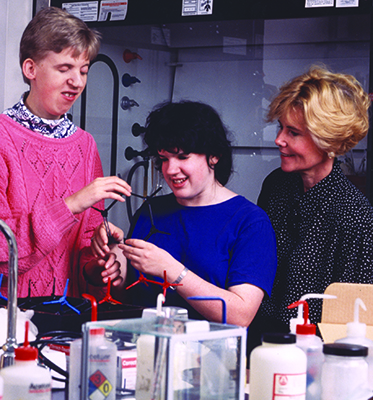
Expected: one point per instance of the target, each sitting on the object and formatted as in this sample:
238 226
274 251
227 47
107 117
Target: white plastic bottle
356 332
344 373
278 369
312 346
102 371
75 369
1 387
26 380
146 351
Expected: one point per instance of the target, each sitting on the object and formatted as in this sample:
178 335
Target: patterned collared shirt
324 235
56 129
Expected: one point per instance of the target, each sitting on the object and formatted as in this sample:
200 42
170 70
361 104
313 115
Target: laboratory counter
61 394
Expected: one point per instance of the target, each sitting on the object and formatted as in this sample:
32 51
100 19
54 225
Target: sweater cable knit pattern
36 174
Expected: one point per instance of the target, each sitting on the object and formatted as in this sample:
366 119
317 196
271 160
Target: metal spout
7 357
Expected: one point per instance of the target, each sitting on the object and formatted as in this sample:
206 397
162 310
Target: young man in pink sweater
50 170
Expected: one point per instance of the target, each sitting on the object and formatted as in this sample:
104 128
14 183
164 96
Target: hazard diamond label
99 386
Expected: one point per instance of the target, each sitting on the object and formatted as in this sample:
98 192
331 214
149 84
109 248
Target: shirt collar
328 185
56 129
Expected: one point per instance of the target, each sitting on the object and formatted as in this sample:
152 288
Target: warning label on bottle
99 387
289 386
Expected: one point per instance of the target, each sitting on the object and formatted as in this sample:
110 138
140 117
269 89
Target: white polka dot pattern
324 235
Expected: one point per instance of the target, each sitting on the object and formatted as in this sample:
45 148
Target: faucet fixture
7 357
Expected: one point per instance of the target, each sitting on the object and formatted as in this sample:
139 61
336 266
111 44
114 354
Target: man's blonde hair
53 29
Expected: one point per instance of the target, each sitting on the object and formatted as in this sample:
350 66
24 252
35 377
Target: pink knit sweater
36 174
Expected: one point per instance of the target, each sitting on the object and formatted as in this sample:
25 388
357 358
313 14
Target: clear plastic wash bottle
312 346
278 369
26 380
147 351
102 370
356 332
75 361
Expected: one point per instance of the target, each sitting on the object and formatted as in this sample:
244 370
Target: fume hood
232 55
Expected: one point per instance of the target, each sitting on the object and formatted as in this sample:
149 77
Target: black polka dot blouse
323 235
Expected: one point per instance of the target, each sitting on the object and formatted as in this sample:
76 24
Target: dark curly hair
192 127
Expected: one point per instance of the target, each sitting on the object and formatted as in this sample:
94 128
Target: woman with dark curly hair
323 223
209 240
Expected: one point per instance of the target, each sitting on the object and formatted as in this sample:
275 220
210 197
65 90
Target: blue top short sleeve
226 244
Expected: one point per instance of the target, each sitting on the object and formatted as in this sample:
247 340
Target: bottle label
128 369
29 392
289 386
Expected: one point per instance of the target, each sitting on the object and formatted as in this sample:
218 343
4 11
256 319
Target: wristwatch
179 278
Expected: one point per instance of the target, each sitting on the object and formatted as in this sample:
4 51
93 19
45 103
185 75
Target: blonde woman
323 224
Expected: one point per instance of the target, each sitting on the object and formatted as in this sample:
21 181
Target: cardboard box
337 312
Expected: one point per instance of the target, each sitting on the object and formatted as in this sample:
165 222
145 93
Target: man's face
57 81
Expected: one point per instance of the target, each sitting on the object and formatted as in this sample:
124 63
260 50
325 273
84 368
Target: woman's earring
331 154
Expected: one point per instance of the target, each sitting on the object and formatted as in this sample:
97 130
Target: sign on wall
197 7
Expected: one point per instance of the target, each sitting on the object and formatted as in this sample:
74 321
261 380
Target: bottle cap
278 338
26 352
305 328
345 349
97 332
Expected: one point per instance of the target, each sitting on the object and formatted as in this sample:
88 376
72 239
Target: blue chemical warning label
197 7
99 387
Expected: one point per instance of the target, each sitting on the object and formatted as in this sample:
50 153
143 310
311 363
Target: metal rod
7 357
114 120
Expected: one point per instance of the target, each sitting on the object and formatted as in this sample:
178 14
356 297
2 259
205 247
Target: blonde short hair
53 29
334 106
